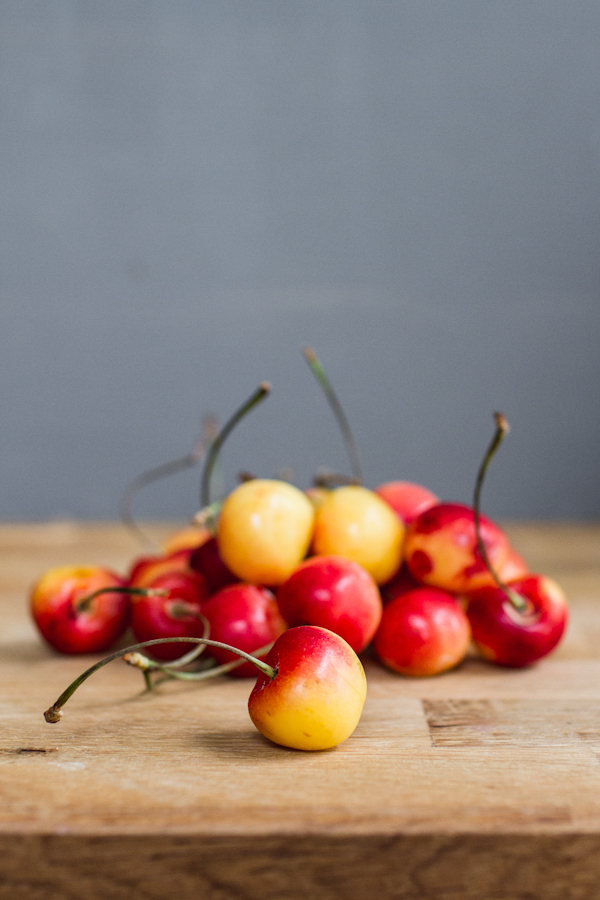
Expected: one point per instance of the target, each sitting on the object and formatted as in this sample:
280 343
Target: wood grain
483 783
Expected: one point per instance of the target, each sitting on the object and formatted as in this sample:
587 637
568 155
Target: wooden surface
482 783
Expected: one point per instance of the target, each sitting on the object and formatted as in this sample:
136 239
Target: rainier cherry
309 694
422 632
264 530
355 523
315 697
441 548
335 593
69 621
245 616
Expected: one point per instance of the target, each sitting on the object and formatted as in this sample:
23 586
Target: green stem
163 471
259 394
334 403
54 712
205 674
502 429
84 604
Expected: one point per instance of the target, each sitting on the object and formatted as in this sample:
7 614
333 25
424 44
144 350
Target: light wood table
482 783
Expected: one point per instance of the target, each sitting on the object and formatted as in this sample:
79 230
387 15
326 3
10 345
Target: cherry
245 616
402 582
315 697
408 500
206 559
515 623
264 530
146 568
355 523
422 632
309 694
510 637
170 609
72 622
442 550
334 593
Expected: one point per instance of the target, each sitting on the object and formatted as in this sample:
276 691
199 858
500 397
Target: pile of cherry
305 581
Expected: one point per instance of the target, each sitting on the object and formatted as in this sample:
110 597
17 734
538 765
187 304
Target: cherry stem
209 428
336 407
215 446
502 429
84 604
54 712
148 665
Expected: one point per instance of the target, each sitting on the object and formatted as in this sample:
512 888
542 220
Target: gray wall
192 191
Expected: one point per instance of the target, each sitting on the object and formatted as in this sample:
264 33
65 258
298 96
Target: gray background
191 191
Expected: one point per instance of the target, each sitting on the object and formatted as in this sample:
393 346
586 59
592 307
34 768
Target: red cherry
172 615
334 593
408 500
512 638
147 568
422 632
402 582
207 560
244 616
71 626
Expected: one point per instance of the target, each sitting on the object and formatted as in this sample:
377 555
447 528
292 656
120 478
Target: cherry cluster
392 569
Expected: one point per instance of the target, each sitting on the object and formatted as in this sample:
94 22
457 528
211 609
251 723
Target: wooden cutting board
482 783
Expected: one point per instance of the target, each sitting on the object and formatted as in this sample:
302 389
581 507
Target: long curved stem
259 394
502 429
204 675
54 712
163 471
336 407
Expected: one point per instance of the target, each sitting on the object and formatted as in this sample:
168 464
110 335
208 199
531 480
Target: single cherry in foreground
309 694
68 620
315 699
422 632
334 593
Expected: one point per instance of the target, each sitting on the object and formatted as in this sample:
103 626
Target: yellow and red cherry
355 523
68 620
172 613
315 698
518 638
207 560
423 632
309 694
335 593
408 500
441 548
246 617
264 530
146 568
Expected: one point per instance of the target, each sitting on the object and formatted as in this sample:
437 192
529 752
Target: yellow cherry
264 530
355 523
